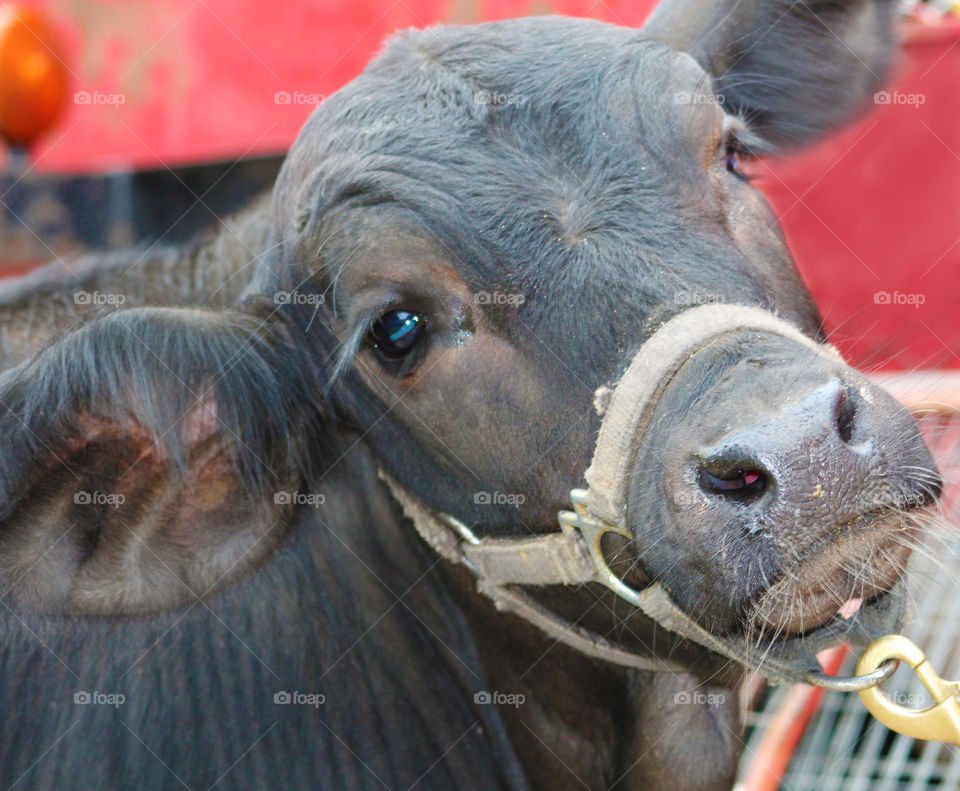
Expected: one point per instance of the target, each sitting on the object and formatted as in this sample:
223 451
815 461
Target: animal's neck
575 718
562 710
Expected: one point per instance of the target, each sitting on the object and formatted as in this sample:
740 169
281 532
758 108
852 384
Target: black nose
827 445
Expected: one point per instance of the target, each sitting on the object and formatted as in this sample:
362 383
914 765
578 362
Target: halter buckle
592 531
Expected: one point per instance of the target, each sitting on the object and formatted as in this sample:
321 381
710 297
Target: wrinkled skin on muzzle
774 486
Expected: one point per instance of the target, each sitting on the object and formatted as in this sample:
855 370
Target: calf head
470 239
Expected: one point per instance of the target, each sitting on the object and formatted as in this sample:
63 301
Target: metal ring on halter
854 683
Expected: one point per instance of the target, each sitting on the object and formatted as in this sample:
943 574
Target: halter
573 556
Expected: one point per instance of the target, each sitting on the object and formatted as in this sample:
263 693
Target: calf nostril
845 413
744 484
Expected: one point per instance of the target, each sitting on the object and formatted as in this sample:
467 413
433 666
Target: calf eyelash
741 144
738 138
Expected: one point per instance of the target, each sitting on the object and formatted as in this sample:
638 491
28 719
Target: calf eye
735 166
396 332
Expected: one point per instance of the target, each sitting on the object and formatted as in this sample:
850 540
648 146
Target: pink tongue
750 477
849 608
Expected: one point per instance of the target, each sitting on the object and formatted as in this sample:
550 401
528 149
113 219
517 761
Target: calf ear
141 459
793 68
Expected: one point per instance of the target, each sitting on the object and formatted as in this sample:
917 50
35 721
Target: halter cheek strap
500 564
573 556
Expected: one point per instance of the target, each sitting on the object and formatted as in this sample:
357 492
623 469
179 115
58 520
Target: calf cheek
491 435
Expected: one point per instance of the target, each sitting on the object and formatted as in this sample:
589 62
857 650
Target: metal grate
843 748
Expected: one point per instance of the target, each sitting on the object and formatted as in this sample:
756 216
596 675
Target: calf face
469 240
524 246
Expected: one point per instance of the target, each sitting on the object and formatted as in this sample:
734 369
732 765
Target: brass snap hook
939 722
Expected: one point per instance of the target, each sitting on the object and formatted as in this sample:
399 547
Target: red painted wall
197 79
873 215
875 210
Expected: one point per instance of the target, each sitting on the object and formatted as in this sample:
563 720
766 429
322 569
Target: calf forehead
572 117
